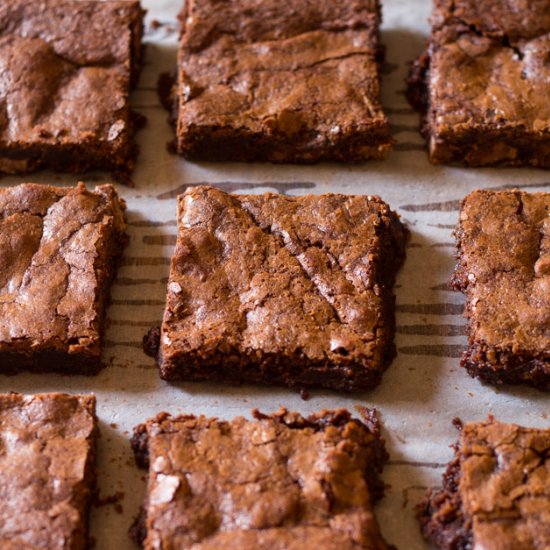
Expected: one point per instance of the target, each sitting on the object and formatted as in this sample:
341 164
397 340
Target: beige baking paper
424 388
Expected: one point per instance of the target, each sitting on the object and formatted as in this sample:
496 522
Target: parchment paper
424 388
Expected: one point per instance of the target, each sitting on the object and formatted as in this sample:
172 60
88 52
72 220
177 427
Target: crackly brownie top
65 69
274 274
513 19
52 241
504 266
45 444
505 485
489 65
277 482
288 67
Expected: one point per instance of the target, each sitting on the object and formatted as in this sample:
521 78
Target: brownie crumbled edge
60 250
352 436
48 470
495 491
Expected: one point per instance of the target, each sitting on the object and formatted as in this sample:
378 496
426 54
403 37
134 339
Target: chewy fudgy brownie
496 491
503 241
58 253
484 83
279 81
67 67
279 482
278 289
47 476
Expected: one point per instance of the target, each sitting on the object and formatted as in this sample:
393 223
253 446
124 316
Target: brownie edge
276 289
495 491
289 481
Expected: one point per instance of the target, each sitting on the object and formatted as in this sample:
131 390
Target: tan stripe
452 351
431 309
160 240
416 464
147 223
443 245
144 260
409 147
398 128
128 323
443 286
128 281
446 206
137 302
442 225
113 344
432 330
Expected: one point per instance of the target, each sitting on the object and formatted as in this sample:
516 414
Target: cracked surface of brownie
58 253
503 241
280 81
280 482
484 83
47 455
278 289
66 70
496 492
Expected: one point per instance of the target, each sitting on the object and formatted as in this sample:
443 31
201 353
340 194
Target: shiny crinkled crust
280 81
47 472
484 82
280 481
496 492
278 289
67 68
59 248
503 241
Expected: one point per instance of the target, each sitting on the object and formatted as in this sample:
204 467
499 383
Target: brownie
484 83
58 252
503 241
280 482
47 476
496 491
279 81
279 289
67 68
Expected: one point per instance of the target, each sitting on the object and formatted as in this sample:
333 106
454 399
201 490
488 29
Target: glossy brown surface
486 82
67 67
280 81
504 269
496 492
47 452
280 482
278 289
58 252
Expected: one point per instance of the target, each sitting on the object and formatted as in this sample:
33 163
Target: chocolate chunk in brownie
279 289
496 492
281 481
503 241
58 252
47 476
484 83
67 67
279 81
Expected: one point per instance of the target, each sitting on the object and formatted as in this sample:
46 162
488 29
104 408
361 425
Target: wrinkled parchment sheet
424 388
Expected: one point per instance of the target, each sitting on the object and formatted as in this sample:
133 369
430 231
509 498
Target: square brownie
280 82
282 481
67 67
496 491
47 473
58 252
278 289
484 83
503 241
